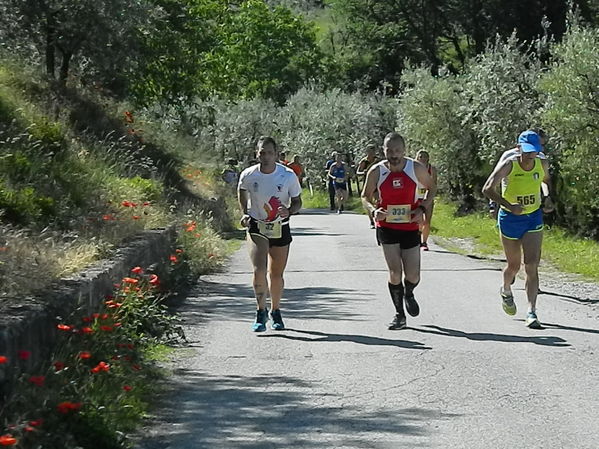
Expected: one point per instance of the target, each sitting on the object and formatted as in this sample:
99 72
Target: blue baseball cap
530 142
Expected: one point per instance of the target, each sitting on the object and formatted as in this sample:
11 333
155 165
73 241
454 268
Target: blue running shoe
532 322
261 319
277 320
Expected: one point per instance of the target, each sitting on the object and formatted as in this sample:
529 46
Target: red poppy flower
28 429
87 319
136 217
36 423
107 328
127 204
68 406
131 280
127 387
37 380
3 359
84 355
104 316
108 217
24 355
58 366
179 251
87 330
137 270
154 280
173 259
102 366
146 203
7 440
64 327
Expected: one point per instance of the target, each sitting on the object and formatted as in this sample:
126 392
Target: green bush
431 117
571 114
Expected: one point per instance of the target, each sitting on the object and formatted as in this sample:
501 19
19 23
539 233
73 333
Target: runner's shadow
570 328
484 336
359 339
570 297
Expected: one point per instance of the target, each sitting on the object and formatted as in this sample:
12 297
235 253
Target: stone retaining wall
30 323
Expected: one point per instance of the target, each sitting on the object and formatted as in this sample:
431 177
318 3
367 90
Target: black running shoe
277 320
399 322
411 305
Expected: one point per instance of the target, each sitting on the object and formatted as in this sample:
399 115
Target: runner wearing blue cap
520 218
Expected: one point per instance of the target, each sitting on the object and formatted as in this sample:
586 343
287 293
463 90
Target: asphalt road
463 375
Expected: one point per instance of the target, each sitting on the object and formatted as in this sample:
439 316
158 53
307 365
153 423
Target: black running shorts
285 234
406 239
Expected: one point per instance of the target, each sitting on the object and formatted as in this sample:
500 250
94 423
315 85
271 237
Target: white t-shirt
269 191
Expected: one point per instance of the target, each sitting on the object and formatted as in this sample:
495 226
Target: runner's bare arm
368 194
294 208
546 188
493 181
243 200
428 182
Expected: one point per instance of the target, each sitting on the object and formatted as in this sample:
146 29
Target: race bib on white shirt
270 229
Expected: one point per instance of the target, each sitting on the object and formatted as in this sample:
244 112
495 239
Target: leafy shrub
571 114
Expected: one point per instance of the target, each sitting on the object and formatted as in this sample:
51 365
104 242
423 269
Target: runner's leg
513 255
258 249
278 256
531 246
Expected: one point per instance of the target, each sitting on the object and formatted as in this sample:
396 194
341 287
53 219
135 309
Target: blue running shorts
515 226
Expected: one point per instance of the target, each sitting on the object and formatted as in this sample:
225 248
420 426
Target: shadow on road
235 302
200 410
359 339
484 336
570 328
570 298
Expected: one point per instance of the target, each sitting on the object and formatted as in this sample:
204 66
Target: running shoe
507 302
277 320
411 305
424 246
532 321
399 322
261 319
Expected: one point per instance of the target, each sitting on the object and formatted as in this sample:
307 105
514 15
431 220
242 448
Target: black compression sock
397 297
410 287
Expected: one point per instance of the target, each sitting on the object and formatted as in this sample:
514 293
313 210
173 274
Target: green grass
567 253
320 200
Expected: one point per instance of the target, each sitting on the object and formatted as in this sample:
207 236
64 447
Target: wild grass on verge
320 200
568 253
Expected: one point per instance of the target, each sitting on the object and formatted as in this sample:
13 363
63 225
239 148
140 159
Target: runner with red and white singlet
397 213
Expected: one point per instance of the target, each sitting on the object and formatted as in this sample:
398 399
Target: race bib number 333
271 230
399 213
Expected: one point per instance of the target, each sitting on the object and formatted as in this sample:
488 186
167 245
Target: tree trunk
64 69
50 48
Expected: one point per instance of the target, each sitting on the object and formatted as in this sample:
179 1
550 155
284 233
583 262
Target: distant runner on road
520 218
397 213
425 227
268 194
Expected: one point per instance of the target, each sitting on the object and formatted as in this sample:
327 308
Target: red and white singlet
398 194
